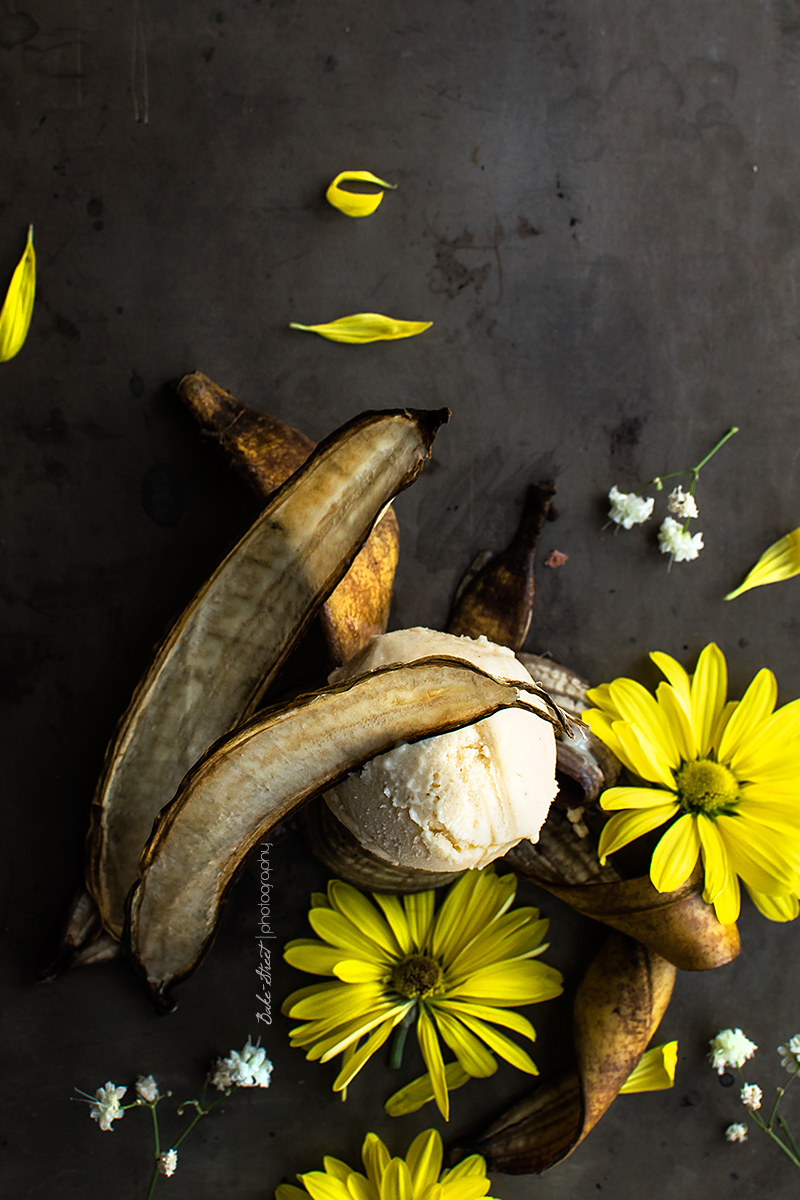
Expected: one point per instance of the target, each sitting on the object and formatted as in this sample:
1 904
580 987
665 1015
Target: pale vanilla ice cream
460 799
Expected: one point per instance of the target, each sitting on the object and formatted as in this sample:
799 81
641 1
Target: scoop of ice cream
461 799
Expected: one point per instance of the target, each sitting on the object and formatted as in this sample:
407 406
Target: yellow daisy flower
728 771
396 961
418 1176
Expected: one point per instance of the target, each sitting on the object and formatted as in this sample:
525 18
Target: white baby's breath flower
106 1107
751 1095
682 545
147 1089
791 1054
249 1067
730 1048
736 1133
682 503
628 509
167 1162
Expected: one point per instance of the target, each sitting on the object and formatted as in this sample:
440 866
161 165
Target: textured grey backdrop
597 208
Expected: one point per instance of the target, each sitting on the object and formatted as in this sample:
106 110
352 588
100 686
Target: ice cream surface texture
461 799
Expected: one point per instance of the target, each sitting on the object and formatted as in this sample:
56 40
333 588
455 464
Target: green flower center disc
707 787
416 976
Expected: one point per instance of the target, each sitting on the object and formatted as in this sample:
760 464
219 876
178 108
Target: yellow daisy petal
654 1071
497 1016
636 706
676 676
769 743
322 1187
601 696
646 758
708 692
464 1189
287 1191
780 561
625 827
511 983
729 901
375 1157
675 856
424 1159
396 918
501 1045
429 1045
373 1043
602 726
754 707
337 930
679 720
396 1181
358 1186
616 798
758 857
720 725
315 957
716 867
420 1091
470 1052
776 908
357 909
419 914
336 1168
353 970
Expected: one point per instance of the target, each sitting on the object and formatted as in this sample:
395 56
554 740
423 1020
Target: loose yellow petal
675 856
420 1091
780 561
654 1071
15 317
356 204
366 327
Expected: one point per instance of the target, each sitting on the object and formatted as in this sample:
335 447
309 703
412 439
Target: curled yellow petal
366 327
780 561
655 1070
15 317
356 204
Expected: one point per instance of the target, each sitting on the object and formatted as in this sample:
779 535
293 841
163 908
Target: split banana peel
264 452
618 1006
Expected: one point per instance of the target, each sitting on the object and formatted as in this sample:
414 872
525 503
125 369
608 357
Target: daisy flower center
707 787
416 976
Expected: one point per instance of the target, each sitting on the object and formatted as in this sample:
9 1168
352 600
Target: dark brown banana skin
264 452
618 1006
497 600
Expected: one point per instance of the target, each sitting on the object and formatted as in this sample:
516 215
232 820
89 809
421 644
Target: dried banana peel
618 1007
264 452
232 639
496 596
264 771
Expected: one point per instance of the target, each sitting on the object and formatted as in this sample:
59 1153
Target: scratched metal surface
597 208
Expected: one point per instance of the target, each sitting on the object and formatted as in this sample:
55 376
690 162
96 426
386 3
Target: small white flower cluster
736 1133
791 1054
147 1089
629 509
751 1095
106 1106
167 1162
730 1048
249 1067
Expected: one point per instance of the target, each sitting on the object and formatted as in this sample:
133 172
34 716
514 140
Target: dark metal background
612 285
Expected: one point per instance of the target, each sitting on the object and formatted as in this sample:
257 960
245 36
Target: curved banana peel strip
264 453
230 642
356 204
17 310
262 772
618 1006
365 327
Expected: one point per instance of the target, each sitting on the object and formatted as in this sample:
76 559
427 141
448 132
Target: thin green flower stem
201 1112
399 1039
734 429
780 1093
762 1125
693 471
154 1176
790 1139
